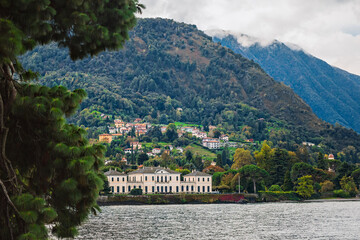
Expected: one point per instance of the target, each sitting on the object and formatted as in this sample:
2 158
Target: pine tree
49 174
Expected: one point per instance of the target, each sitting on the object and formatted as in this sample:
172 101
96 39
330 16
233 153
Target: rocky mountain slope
333 94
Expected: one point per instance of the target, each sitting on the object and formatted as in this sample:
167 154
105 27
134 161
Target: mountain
333 94
170 71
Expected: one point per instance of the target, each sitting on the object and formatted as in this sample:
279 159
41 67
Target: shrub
275 188
136 191
326 186
341 193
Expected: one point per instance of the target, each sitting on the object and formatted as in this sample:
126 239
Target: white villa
159 180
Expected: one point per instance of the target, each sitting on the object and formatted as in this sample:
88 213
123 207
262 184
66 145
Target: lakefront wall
159 180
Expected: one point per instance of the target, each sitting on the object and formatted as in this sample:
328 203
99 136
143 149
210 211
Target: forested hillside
171 71
333 94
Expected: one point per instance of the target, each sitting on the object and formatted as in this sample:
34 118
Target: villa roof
197 174
153 170
113 173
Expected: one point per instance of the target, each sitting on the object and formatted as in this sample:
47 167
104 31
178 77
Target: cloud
328 29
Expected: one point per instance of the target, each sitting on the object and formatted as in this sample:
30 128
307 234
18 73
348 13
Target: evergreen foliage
49 172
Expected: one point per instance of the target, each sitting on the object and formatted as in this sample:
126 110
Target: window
161 178
112 189
146 189
170 189
112 179
117 179
162 188
153 189
157 178
123 189
198 188
157 189
208 188
165 178
165 188
140 187
203 188
208 179
170 178
192 188
129 189
193 179
177 188
203 179
182 188
117 189
198 179
177 178
123 179
153 178
145 178
134 186
184 179
187 188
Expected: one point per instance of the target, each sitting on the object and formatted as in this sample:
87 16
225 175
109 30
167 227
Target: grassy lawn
195 149
181 124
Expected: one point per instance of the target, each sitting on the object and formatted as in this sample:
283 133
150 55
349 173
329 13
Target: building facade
158 180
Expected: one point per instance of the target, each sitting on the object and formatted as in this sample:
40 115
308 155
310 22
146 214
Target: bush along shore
176 199
262 196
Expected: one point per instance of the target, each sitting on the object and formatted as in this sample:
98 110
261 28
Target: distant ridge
332 93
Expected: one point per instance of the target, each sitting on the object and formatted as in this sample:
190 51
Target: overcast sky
327 29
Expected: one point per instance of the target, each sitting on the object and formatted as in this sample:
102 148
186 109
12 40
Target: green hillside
171 72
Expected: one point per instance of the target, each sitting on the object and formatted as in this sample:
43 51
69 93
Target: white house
159 180
156 150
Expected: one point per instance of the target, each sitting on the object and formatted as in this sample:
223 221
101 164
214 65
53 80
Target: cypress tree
322 163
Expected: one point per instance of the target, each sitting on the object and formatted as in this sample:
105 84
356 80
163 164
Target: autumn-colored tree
326 186
305 186
242 157
263 156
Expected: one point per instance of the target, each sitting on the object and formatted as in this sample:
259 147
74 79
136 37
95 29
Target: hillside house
107 138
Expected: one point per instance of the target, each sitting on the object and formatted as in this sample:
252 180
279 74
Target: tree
219 160
242 157
198 163
55 178
305 186
356 176
326 186
278 164
262 158
300 169
254 173
142 158
171 132
348 185
288 184
322 164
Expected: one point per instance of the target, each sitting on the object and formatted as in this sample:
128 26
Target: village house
107 138
128 150
156 151
150 154
119 123
163 129
135 145
159 180
211 143
224 137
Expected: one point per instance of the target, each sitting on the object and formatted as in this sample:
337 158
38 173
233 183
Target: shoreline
174 199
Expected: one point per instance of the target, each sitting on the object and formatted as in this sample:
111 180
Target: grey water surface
315 220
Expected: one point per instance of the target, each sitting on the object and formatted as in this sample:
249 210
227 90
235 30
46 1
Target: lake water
315 220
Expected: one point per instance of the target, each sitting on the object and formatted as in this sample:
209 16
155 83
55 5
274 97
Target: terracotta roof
113 173
198 174
153 170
